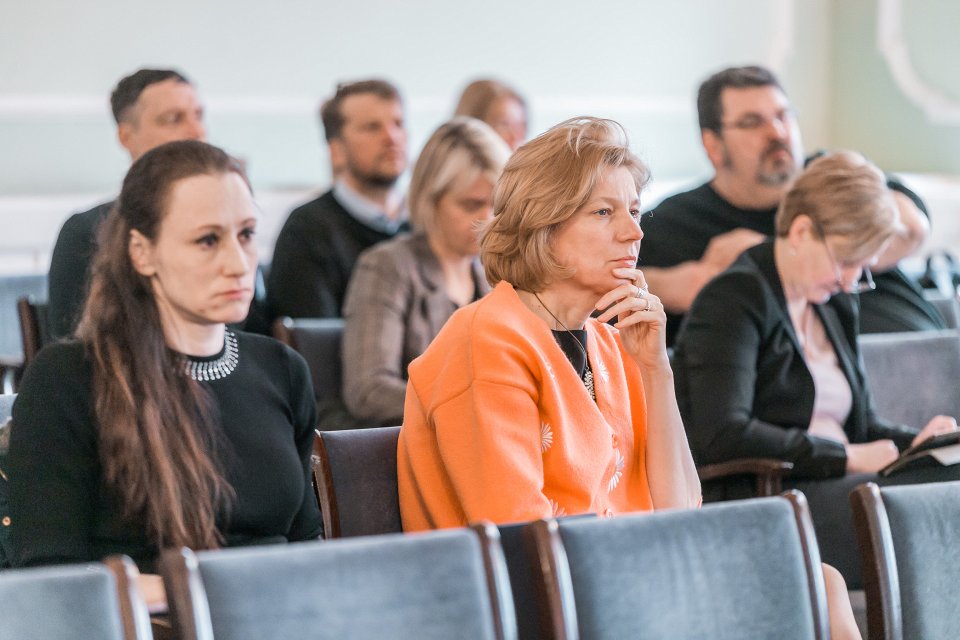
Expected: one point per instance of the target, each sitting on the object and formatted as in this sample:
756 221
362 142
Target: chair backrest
913 376
356 481
740 569
947 305
523 566
318 341
911 561
13 288
33 327
433 585
64 602
6 406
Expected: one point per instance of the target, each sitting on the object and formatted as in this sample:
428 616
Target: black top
69 275
743 386
314 257
680 228
62 512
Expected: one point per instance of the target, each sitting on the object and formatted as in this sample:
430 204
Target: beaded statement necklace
204 371
587 376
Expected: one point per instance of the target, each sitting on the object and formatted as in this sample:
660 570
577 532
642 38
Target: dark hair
709 105
128 90
158 429
331 115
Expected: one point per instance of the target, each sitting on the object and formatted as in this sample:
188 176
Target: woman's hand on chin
640 318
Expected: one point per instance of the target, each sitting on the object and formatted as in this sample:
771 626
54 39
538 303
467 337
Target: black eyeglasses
755 121
863 283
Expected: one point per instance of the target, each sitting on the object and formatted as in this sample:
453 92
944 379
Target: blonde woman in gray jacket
402 291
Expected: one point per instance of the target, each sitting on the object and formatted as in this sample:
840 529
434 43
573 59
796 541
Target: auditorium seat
739 569
439 584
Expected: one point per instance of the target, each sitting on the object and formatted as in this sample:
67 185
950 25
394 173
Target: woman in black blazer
767 363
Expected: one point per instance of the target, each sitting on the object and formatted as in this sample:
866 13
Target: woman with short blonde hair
768 364
402 291
847 197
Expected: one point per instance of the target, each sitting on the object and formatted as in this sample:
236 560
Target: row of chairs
897 526
665 575
742 569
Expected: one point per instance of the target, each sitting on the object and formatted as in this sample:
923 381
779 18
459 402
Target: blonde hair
455 155
543 185
844 195
480 95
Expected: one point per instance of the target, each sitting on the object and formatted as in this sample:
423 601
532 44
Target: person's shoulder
66 353
262 347
314 209
741 282
493 319
269 354
87 221
684 201
683 215
400 249
60 365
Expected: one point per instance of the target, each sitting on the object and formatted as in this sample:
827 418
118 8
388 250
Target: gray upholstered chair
947 305
355 476
739 569
911 560
913 376
68 602
318 341
434 585
6 406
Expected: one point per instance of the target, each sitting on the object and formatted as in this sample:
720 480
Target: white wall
263 68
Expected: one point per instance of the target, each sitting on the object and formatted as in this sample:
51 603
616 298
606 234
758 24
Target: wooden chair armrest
768 472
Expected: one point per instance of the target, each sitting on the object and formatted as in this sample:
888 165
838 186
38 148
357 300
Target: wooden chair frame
325 489
881 580
133 609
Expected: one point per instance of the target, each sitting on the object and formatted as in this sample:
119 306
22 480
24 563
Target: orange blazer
498 426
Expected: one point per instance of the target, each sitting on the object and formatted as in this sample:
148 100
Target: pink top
833 398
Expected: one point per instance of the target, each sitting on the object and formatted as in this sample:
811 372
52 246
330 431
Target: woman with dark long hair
159 426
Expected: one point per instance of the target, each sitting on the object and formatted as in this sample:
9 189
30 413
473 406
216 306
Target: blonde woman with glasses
767 364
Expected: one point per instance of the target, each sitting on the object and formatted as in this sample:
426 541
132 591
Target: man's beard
376 180
373 178
777 173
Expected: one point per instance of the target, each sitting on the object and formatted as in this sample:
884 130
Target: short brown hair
456 153
331 114
844 195
128 90
709 97
480 95
545 182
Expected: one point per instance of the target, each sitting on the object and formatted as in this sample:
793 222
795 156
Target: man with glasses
151 107
750 134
